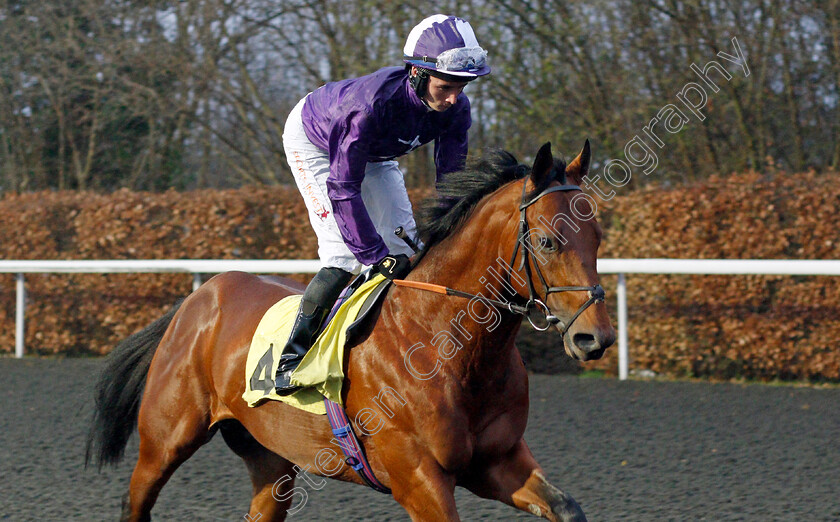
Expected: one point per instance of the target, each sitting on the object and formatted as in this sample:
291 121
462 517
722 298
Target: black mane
459 193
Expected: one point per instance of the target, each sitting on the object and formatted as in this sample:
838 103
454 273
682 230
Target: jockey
341 142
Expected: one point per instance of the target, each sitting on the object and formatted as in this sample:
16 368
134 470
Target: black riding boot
315 305
303 335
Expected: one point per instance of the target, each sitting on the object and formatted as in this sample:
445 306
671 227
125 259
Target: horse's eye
546 244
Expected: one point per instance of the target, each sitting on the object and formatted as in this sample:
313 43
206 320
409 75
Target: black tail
119 391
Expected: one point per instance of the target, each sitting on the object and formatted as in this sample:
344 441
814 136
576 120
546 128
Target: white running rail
196 267
621 267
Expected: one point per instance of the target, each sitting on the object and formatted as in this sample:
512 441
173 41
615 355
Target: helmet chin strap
419 82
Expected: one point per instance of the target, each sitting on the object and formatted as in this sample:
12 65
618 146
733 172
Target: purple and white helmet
446 44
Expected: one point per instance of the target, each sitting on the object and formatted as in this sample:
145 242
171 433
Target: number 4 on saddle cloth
321 372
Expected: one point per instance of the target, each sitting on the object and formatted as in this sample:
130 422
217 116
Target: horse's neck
481 333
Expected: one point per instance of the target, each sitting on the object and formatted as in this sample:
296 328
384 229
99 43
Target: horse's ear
542 166
579 167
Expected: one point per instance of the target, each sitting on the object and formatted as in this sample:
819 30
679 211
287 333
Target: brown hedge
89 313
725 326
720 326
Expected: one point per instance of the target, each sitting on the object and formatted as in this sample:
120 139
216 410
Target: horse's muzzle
590 346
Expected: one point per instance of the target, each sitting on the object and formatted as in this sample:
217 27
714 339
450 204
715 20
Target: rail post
20 308
623 358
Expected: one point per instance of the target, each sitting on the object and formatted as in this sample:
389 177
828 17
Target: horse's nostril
586 342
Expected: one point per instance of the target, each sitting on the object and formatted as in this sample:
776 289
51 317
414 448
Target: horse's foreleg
541 498
272 476
426 492
516 479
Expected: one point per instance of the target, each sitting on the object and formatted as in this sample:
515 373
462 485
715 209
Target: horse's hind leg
271 475
160 455
173 423
517 479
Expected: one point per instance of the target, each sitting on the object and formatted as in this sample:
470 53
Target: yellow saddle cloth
321 372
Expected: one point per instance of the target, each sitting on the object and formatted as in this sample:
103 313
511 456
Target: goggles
462 59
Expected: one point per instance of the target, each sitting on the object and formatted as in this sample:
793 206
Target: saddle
370 306
321 372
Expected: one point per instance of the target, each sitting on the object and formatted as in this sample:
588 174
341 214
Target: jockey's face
441 94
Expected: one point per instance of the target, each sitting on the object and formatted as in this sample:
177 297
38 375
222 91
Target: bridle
534 302
596 292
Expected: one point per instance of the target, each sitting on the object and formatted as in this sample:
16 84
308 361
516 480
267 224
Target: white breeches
383 192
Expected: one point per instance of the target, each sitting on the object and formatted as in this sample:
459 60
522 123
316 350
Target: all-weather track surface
635 450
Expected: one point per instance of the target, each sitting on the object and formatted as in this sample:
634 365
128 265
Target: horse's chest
500 420
500 433
480 430
456 445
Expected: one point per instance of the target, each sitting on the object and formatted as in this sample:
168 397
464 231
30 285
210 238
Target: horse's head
556 255
545 266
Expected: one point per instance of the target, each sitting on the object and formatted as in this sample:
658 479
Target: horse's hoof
563 507
567 509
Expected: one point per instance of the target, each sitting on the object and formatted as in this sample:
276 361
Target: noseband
596 292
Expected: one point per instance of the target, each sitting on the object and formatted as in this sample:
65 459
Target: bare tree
194 93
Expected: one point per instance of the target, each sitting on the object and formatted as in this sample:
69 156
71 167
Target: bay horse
436 386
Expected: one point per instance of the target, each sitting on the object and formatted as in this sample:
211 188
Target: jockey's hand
394 266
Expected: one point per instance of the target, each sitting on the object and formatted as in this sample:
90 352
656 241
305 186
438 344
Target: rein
445 290
534 302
